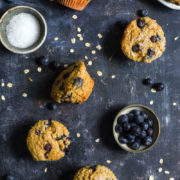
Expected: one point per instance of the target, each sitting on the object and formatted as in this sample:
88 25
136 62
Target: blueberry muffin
74 84
143 40
48 140
175 1
98 172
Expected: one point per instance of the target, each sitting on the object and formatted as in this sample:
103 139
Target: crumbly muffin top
175 1
143 40
48 140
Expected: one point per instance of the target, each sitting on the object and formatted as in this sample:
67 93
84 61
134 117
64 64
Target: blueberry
158 86
51 106
135 145
144 115
144 126
136 48
140 23
130 117
138 140
150 132
9 177
130 138
55 65
150 52
153 39
136 131
126 126
122 119
48 147
147 81
150 122
142 12
136 112
123 140
138 119
143 134
147 141
43 60
118 129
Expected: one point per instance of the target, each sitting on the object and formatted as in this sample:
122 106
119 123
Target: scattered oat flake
171 178
79 35
89 63
87 44
161 161
98 47
56 38
74 16
65 65
97 140
153 90
3 98
151 177
73 40
71 50
78 135
113 76
99 73
9 85
24 94
39 69
174 103
109 161
166 172
100 36
151 102
160 170
45 170
30 79
176 38
93 52
86 57
26 71
78 29
81 38
2 84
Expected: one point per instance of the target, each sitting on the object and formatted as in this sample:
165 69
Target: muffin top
175 1
143 40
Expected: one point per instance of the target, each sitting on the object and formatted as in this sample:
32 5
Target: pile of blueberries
135 129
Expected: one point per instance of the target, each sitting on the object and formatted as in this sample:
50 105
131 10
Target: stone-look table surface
94 118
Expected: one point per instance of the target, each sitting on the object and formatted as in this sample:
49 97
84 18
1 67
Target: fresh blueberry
126 126
144 115
122 119
150 122
55 65
136 48
118 129
147 141
135 145
144 126
158 86
136 131
142 12
9 177
140 23
143 134
147 81
130 138
150 52
153 39
51 106
43 60
136 112
138 119
150 132
130 117
123 140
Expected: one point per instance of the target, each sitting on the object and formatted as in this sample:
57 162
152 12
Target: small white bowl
169 4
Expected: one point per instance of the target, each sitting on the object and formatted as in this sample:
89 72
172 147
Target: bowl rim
170 5
135 106
17 51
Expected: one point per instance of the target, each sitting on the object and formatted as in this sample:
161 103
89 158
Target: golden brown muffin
175 1
48 140
74 84
143 40
98 172
75 4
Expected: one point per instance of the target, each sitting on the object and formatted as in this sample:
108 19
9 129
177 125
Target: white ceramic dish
169 4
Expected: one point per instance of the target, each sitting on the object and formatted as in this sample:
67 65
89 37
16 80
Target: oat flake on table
74 16
3 98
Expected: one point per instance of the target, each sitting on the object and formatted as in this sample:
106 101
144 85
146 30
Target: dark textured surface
94 118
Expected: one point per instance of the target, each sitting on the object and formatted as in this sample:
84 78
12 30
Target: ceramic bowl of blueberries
136 128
